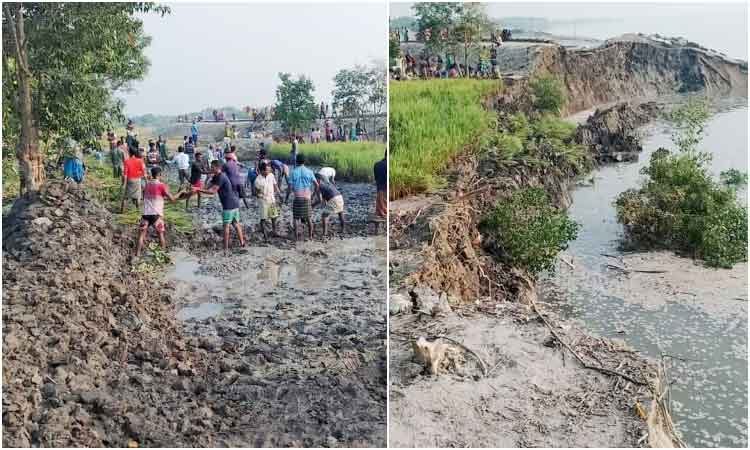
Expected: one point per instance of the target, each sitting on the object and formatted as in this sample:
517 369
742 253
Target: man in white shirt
183 164
328 172
266 190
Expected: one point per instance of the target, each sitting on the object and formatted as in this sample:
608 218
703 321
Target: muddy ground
534 394
95 354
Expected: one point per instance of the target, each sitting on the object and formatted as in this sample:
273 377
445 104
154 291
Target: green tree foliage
471 23
527 231
295 104
394 49
688 122
361 90
733 177
680 206
549 94
62 63
436 17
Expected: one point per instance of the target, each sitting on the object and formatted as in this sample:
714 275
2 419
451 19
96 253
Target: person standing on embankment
381 182
303 183
153 209
118 159
194 132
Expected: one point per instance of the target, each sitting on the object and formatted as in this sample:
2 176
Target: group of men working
223 177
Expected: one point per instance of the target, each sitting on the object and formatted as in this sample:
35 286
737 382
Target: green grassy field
353 161
430 122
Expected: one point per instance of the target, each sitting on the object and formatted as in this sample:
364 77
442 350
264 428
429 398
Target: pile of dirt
610 133
80 331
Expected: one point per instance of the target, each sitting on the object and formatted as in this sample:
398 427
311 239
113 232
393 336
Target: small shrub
733 177
527 231
549 94
681 207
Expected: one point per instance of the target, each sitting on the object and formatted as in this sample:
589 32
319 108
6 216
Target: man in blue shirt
230 203
303 183
194 132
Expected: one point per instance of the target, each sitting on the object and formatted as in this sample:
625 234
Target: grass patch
432 121
108 190
11 179
353 161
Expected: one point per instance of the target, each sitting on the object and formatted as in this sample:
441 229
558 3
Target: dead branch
467 350
585 365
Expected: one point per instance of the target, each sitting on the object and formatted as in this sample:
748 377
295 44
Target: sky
230 54
720 26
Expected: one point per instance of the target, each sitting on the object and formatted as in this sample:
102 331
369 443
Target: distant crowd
426 65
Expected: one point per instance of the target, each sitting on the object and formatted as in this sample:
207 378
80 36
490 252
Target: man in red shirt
133 173
153 209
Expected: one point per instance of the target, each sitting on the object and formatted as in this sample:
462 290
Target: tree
394 49
471 22
436 17
361 90
295 104
62 63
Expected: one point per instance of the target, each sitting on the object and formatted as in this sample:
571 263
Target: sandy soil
533 395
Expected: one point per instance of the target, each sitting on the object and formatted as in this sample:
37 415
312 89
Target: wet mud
218 351
308 322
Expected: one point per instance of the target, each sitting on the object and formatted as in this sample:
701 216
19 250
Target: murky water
710 390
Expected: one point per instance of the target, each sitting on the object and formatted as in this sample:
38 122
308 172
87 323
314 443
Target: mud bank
625 68
610 133
94 354
536 395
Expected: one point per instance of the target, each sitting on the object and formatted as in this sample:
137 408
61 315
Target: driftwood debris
583 363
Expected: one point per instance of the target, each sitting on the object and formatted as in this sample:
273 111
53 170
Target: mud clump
610 133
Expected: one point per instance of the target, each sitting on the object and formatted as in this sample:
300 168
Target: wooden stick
468 350
568 263
578 357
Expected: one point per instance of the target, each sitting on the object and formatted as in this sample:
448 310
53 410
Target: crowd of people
426 65
216 170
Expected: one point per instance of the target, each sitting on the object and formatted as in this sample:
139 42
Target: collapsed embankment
626 68
436 245
94 356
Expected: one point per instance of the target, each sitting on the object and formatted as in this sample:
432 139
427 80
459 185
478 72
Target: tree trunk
466 57
30 159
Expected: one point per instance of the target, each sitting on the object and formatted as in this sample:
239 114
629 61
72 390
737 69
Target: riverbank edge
453 227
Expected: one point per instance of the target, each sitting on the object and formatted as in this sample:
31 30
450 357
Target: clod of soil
610 133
